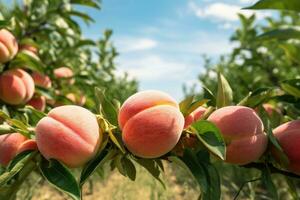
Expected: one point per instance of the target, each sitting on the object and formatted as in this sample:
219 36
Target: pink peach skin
151 123
39 103
16 87
13 144
41 80
194 116
288 136
8 46
242 130
69 134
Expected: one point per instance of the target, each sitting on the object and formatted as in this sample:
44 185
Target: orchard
69 122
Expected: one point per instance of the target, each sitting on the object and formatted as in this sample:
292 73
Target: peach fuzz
39 103
194 116
151 123
288 136
41 80
8 46
69 134
16 87
13 144
242 129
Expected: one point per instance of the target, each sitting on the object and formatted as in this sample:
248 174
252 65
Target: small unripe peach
16 87
78 100
41 80
8 46
64 72
69 134
242 129
151 123
13 144
39 103
194 116
288 136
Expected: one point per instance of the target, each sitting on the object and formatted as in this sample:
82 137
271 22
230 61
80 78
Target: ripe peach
194 116
64 72
41 80
78 100
288 136
16 86
13 144
38 103
69 134
8 46
151 123
242 130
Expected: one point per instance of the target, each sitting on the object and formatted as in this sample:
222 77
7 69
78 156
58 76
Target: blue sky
161 41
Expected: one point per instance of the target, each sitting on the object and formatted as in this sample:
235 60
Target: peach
64 72
78 100
69 134
16 87
242 129
39 103
30 48
8 46
288 136
13 144
151 122
194 116
41 80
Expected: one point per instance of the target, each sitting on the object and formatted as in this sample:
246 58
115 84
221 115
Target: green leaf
152 167
185 104
283 159
268 183
60 177
98 161
86 18
257 97
24 60
106 107
207 94
4 23
292 188
292 87
211 137
224 95
15 166
293 5
280 34
196 168
292 51
129 168
89 3
195 105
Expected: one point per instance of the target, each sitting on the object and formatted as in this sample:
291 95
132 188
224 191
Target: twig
242 186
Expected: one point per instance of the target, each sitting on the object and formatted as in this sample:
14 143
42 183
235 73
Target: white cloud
130 44
221 11
153 68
